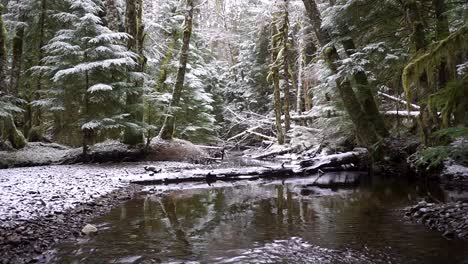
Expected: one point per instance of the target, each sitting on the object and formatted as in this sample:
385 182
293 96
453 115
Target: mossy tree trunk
418 43
365 130
34 128
167 130
300 75
3 54
134 103
161 85
365 95
286 72
274 75
442 31
16 62
10 133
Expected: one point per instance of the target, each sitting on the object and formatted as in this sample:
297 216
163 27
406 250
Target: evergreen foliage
88 66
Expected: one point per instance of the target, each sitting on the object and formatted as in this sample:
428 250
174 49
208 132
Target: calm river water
267 222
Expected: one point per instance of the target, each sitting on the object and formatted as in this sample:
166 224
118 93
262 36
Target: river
267 222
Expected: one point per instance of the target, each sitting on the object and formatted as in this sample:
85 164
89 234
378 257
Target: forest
367 95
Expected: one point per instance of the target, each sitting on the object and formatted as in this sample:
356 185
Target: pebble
449 218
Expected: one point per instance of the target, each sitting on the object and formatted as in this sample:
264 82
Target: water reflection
271 222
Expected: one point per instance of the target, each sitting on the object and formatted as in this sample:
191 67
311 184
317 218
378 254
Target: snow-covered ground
33 192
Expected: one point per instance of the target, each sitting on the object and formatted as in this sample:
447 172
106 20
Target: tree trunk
134 103
276 86
167 130
300 81
17 54
35 115
418 42
12 134
364 129
323 37
286 89
442 31
112 16
3 54
365 95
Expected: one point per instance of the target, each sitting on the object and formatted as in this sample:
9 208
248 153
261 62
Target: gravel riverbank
43 205
451 219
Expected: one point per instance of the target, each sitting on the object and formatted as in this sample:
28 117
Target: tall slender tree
133 25
3 54
167 130
7 108
286 67
274 78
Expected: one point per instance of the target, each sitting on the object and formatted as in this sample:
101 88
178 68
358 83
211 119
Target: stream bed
267 222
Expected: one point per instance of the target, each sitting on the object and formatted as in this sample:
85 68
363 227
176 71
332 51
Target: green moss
427 60
35 134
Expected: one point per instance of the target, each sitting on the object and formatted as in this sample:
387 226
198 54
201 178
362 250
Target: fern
431 159
452 133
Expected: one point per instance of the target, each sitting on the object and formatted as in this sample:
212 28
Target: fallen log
336 160
405 114
209 176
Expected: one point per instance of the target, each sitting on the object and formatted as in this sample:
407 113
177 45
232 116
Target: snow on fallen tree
358 157
337 162
406 114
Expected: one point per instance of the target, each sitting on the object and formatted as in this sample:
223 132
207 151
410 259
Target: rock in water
89 229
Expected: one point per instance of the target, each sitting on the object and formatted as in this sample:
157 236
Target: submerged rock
89 229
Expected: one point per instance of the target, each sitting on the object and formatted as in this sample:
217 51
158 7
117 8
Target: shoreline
30 241
40 208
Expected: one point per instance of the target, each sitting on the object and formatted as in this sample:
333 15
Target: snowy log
406 114
234 174
331 163
356 157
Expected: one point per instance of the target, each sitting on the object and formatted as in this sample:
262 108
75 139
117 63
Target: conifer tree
88 66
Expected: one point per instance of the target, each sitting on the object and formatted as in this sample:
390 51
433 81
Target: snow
402 113
99 88
30 193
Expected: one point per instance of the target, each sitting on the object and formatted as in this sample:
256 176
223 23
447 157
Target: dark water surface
267 222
